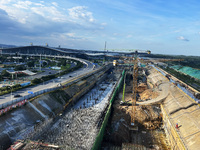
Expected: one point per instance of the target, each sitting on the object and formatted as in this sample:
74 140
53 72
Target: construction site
152 111
147 131
127 107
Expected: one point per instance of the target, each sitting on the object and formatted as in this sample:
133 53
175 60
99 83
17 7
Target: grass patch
60 95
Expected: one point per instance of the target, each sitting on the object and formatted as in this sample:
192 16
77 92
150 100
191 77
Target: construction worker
176 125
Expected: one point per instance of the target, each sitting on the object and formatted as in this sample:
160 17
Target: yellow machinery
148 52
114 62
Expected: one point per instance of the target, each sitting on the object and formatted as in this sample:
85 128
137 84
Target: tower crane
136 60
135 76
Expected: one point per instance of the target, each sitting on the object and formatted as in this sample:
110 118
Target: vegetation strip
183 77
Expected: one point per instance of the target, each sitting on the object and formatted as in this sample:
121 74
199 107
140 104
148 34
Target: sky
164 27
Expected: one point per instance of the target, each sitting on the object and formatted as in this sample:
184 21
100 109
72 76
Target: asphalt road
48 84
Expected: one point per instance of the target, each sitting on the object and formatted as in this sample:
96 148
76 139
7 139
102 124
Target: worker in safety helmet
176 125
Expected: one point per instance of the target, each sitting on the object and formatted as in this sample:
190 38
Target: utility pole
40 62
105 47
104 53
11 93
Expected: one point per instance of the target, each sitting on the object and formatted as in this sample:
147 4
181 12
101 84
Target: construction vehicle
114 62
148 52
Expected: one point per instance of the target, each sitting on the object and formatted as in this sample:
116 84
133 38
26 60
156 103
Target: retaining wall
180 108
171 133
99 138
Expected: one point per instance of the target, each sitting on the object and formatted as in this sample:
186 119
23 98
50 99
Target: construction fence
99 138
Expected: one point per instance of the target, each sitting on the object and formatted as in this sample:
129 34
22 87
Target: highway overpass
45 50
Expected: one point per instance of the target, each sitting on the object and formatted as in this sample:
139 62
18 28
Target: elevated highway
88 67
45 50
48 84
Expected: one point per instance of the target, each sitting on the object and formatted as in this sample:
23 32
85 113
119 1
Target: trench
150 133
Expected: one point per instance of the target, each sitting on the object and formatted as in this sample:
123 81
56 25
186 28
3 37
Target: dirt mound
146 116
142 87
148 94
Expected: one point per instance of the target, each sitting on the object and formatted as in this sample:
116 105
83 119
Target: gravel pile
77 130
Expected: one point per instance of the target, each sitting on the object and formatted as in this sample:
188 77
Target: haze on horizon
164 27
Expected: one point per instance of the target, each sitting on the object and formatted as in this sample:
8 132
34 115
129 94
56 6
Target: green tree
59 64
44 63
36 81
31 64
4 73
20 67
63 62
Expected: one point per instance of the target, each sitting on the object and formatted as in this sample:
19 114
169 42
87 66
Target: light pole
42 81
11 93
40 62
53 82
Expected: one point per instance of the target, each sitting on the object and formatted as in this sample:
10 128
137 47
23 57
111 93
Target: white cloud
55 4
129 36
104 24
3 2
177 31
39 4
23 4
70 34
27 11
50 13
25 21
80 13
182 38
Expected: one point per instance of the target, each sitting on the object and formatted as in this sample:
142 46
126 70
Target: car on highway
61 77
17 95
